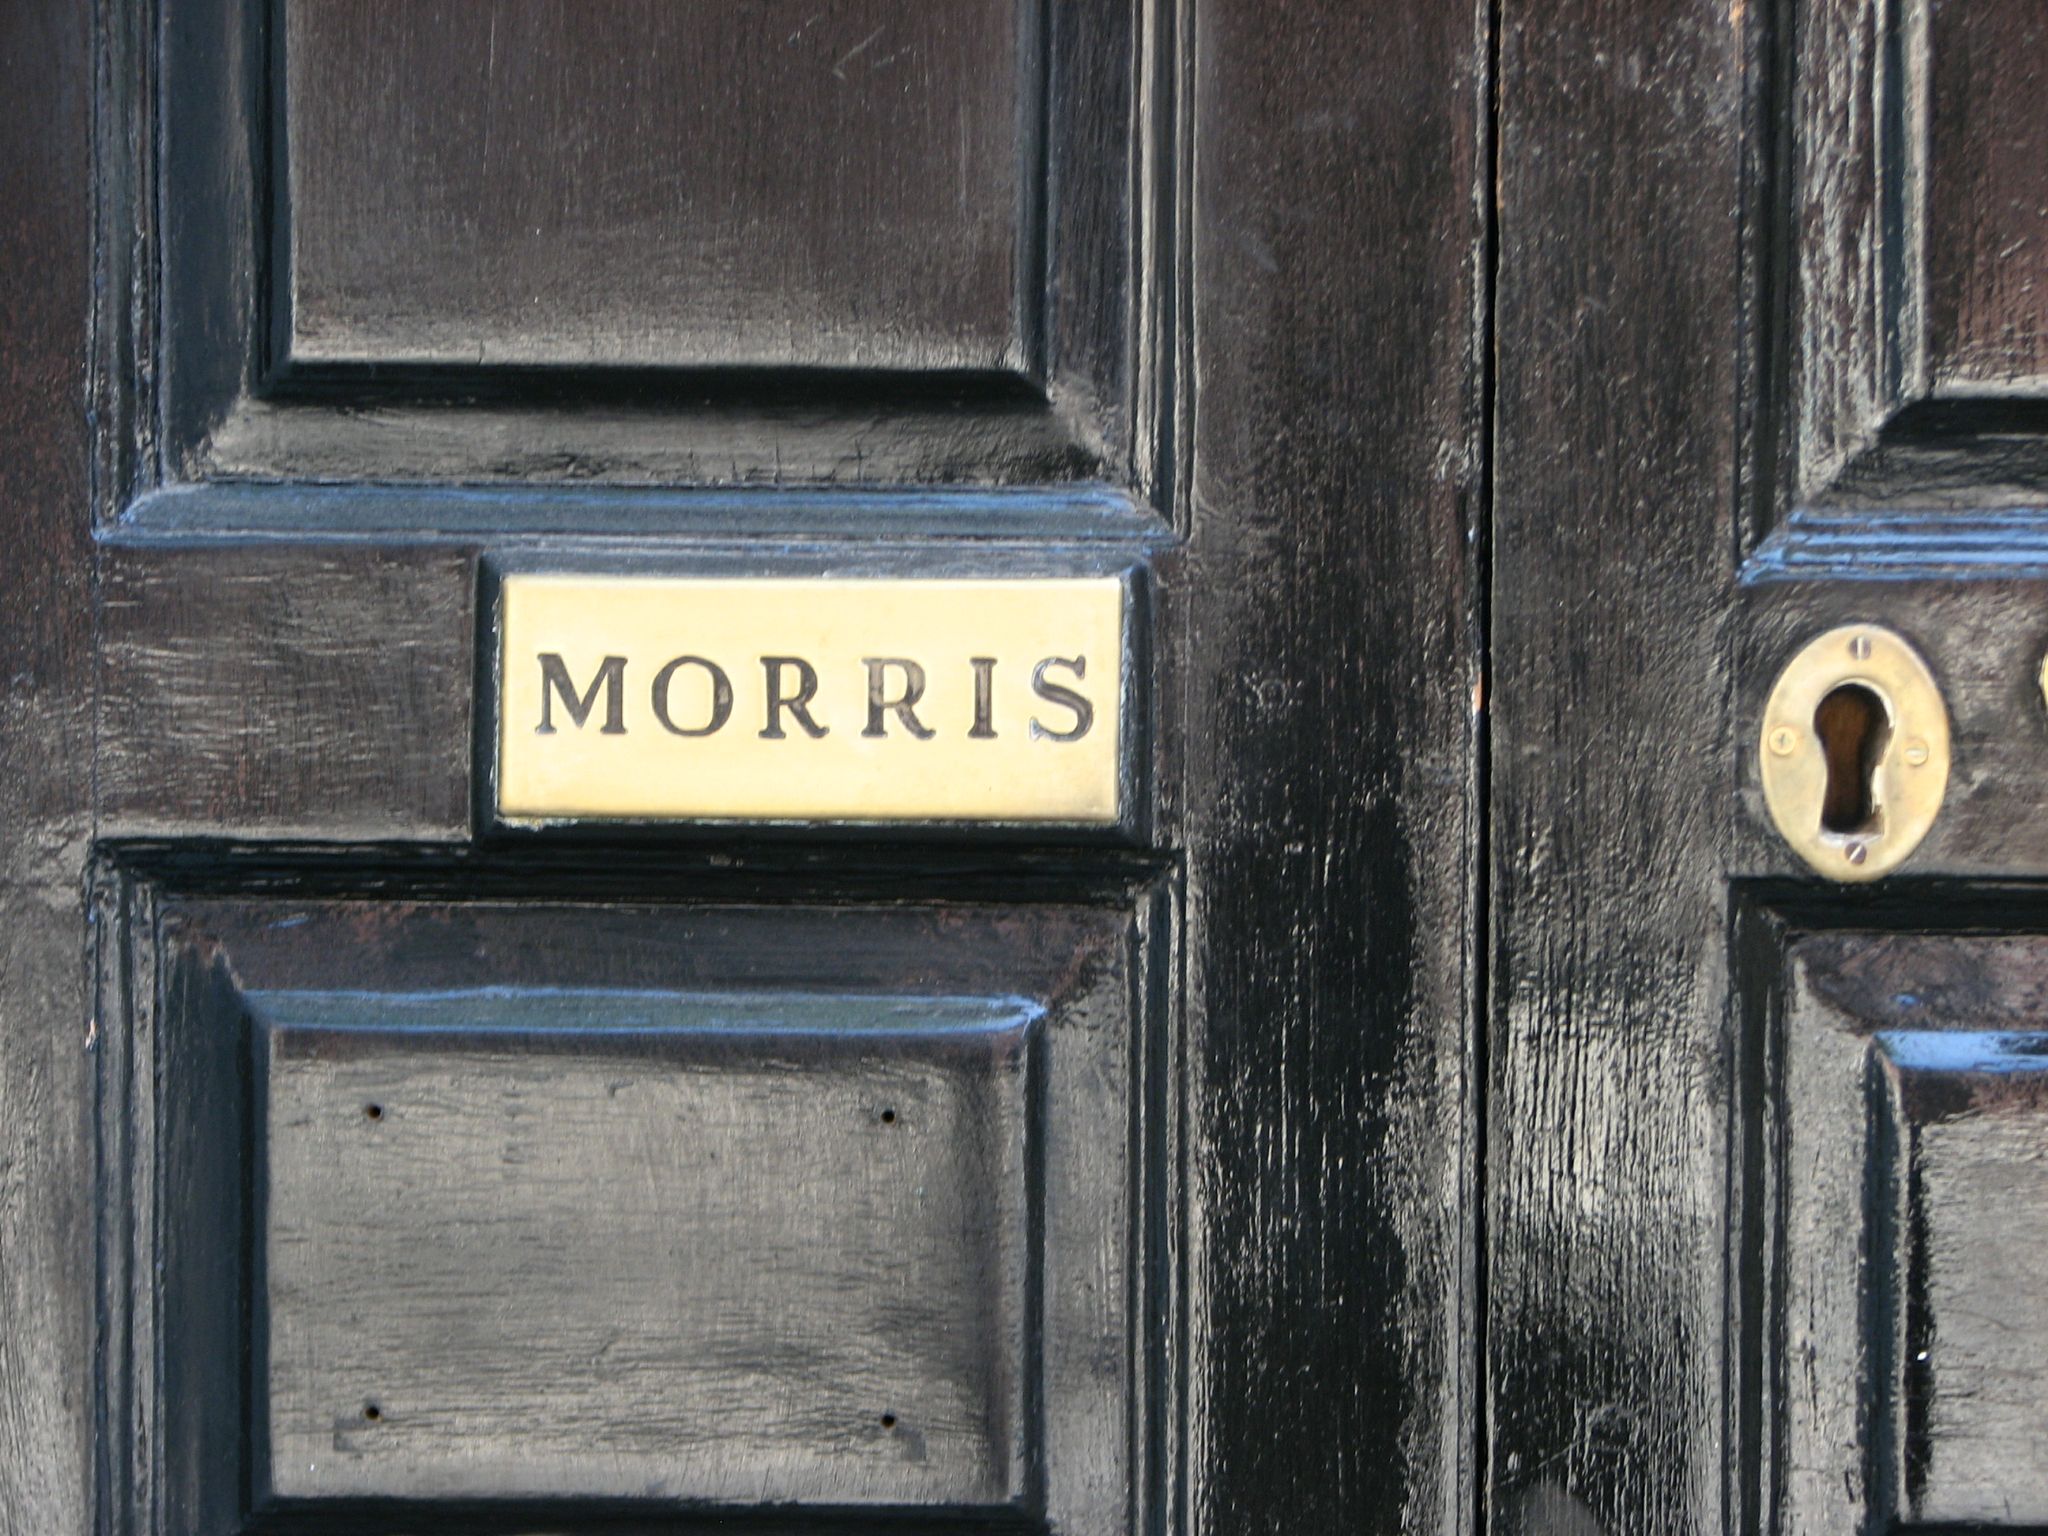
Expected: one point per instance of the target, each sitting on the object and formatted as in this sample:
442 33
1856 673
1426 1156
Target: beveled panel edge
133 890
1848 415
1772 923
517 512
1903 543
181 379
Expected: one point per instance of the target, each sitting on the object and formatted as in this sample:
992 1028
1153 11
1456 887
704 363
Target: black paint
265 688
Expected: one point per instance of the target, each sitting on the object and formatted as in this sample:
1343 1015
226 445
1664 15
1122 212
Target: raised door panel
739 1247
552 1212
1917 227
858 242
852 184
1986 198
1903 1135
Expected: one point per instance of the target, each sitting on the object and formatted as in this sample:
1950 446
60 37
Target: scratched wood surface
1326 623
783 184
1621 200
1917 331
286 692
760 246
736 1247
1716 1208
1260 327
1986 206
455 1258
47 1302
1912 1120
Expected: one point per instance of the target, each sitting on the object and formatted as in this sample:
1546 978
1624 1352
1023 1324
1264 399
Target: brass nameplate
809 699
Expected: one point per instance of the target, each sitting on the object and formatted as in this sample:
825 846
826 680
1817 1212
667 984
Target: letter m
554 682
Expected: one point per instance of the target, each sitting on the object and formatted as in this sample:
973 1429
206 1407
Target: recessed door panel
1986 218
1906 1127
570 1210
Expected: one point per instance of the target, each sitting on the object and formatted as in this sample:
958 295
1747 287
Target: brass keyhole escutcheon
1855 752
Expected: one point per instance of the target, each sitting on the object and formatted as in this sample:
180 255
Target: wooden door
376 1160
1765 1218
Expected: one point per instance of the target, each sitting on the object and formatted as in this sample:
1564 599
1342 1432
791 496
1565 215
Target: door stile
1621 300
1330 746
46 684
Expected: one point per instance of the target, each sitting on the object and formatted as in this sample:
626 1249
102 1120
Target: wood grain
1618 344
1712 1220
781 184
1264 316
741 1248
1327 676
265 690
1909 1121
1912 233
1852 316
691 313
1986 207
630 1232
47 1300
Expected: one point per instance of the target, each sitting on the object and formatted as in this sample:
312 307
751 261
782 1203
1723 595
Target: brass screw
1784 740
1916 752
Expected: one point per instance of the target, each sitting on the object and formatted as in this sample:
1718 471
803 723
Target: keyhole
1853 728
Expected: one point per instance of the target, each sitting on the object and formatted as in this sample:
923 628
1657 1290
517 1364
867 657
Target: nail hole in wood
372 1412
888 1117
888 1421
373 1111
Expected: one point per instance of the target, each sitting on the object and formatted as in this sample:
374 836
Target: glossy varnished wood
1622 162
273 691
1325 623
525 1178
1910 225
1908 1111
1259 342
676 320
1843 238
729 1247
1748 1128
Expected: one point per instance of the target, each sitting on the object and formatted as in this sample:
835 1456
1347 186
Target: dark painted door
1766 1221
371 1163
